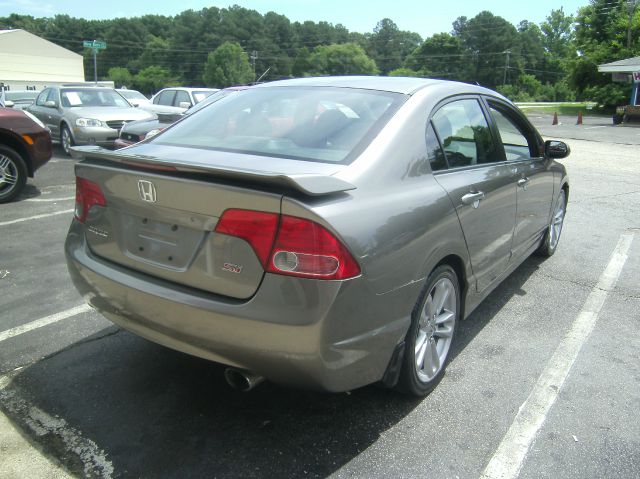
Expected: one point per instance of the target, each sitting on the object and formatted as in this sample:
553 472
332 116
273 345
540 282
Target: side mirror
50 104
8 104
556 149
185 104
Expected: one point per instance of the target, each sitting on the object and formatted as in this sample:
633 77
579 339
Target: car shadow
490 306
160 413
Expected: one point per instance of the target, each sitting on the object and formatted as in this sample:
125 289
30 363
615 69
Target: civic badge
147 191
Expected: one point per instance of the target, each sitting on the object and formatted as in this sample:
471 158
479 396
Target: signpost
95 45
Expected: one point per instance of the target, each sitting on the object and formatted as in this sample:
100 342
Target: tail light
88 194
290 246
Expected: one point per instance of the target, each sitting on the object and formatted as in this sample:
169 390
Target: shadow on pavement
159 413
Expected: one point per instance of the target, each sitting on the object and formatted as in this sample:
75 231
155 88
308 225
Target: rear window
314 124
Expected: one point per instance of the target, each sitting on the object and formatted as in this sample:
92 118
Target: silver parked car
323 233
84 115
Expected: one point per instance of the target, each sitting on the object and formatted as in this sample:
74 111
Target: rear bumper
326 335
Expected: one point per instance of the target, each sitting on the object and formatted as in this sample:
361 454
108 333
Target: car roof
186 88
404 85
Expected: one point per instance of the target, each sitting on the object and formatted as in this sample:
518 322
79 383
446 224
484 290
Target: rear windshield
86 97
314 124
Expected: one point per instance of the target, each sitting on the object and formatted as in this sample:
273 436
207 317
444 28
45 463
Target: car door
181 98
523 152
46 113
56 113
165 98
480 184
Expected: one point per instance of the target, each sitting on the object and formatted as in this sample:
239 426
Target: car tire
434 322
13 174
554 230
66 140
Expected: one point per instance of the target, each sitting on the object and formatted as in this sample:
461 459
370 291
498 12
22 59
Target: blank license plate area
164 244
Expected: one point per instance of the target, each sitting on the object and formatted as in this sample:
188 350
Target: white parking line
94 459
52 199
39 323
36 217
509 457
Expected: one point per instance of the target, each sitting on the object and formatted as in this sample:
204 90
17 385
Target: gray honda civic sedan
324 233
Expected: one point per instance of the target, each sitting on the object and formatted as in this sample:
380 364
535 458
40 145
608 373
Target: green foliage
346 59
228 65
555 60
152 79
120 76
609 96
403 72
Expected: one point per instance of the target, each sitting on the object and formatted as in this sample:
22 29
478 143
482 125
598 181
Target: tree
346 59
441 56
403 72
152 79
228 65
601 36
120 76
493 41
388 46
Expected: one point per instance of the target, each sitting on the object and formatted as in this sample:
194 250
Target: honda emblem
147 191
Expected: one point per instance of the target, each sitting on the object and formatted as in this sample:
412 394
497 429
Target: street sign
95 44
636 77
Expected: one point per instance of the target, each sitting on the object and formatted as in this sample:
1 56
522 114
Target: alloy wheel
8 175
435 330
555 228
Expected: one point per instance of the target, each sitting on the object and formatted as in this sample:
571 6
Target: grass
567 109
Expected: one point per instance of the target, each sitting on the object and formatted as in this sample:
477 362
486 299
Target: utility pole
506 67
254 57
631 4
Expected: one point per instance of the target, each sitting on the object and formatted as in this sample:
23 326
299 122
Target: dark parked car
25 145
323 232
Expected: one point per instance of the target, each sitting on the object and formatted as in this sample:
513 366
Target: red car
25 145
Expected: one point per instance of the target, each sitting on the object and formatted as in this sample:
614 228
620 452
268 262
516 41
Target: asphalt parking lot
553 355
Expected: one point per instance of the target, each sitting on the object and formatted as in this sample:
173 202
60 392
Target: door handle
473 198
523 182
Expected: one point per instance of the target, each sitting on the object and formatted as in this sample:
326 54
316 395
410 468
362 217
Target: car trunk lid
160 217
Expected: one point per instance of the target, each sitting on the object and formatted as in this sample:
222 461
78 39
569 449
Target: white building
28 61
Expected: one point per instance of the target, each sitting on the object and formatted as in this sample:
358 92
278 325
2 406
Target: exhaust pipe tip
242 380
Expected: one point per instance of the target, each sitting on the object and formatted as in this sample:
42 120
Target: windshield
313 124
132 94
93 97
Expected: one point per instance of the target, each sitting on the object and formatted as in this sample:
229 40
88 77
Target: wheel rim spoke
4 162
421 348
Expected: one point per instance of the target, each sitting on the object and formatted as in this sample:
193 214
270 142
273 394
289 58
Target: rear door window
464 133
181 96
165 98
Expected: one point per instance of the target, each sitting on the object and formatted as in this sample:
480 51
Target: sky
425 17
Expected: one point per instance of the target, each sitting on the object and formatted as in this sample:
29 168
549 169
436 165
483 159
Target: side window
464 133
180 97
434 152
515 143
165 98
42 97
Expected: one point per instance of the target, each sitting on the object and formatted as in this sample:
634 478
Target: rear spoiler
311 184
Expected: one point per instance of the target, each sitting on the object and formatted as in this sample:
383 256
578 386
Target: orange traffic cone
579 122
555 118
